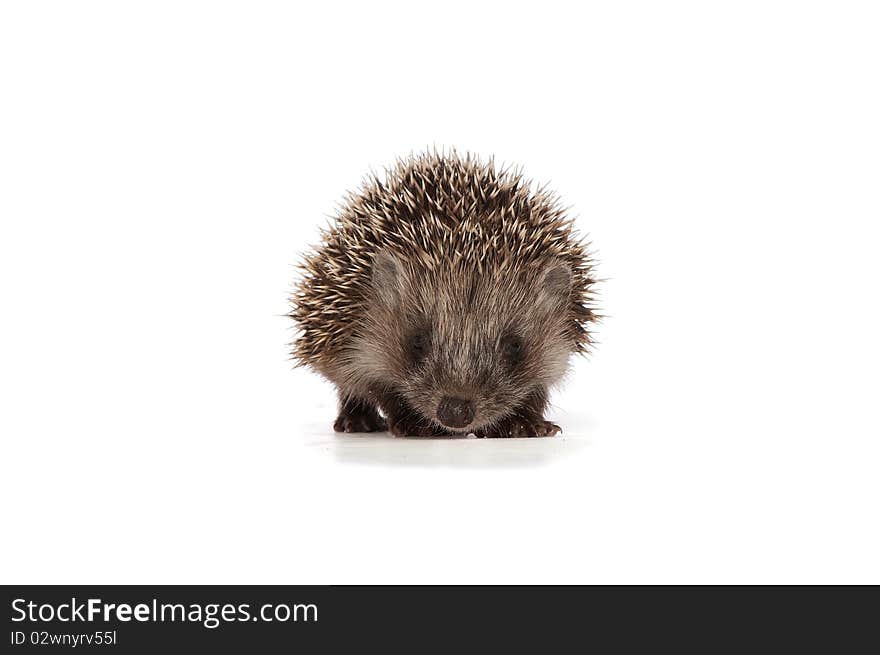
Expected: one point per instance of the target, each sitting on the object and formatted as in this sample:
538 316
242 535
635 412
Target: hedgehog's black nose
455 412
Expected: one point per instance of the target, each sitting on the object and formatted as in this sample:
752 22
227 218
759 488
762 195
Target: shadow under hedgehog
449 296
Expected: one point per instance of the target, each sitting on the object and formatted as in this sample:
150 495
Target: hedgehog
445 299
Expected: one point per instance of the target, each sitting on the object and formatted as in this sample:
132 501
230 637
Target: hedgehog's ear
386 277
555 286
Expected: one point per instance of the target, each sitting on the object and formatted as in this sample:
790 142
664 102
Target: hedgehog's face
462 349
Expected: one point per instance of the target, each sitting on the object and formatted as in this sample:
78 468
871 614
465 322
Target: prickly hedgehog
449 296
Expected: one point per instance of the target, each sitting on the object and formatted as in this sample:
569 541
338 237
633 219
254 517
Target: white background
163 165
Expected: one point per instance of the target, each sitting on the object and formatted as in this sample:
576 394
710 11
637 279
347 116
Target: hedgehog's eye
512 349
418 345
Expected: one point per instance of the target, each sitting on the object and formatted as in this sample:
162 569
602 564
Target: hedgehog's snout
455 412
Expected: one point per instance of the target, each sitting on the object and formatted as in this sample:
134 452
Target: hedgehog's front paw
361 419
519 426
